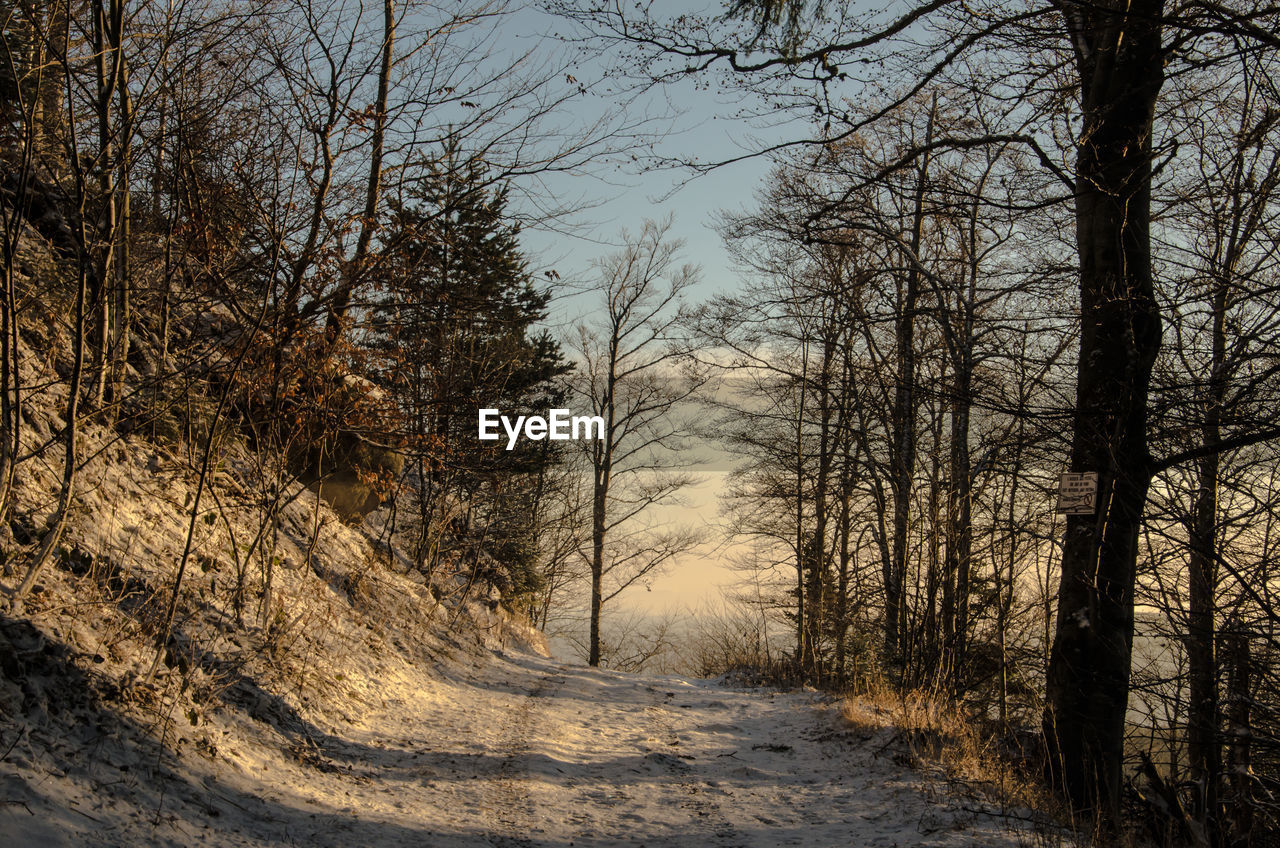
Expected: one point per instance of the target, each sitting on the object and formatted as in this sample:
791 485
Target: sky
622 192
623 196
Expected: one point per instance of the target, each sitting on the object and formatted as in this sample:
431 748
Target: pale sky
626 200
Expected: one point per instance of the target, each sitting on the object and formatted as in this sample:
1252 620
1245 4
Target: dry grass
984 769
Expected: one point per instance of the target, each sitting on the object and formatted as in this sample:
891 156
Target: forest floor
519 750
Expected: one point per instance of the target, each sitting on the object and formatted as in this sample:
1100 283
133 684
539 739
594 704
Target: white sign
1078 493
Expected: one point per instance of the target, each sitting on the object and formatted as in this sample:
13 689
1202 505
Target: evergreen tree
456 322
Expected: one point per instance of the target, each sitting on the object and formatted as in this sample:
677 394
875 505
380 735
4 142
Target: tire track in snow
513 812
707 817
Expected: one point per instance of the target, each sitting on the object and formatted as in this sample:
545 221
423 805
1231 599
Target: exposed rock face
343 466
342 481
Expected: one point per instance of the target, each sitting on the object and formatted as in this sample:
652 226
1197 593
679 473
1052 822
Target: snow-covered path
525 752
521 751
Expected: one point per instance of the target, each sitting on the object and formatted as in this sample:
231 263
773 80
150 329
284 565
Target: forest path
526 752
520 751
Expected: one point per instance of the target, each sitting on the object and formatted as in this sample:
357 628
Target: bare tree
1217 232
1103 65
635 376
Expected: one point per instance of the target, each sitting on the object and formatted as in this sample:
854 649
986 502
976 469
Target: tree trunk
598 515
817 603
49 113
11 417
842 574
904 445
1240 732
960 522
103 291
845 521
341 302
1121 69
1204 751
122 308
802 650
938 620
960 503
603 475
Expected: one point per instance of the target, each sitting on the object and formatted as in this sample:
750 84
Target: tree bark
1204 751
341 302
1240 733
960 523
1120 59
960 503
816 579
602 476
121 230
107 68
904 451
598 515
802 649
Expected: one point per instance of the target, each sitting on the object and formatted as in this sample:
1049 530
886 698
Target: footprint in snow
667 761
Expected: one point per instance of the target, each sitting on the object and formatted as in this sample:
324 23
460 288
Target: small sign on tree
1078 493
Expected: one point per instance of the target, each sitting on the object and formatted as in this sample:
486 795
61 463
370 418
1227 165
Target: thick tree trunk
960 336
802 648
960 513
48 52
844 562
845 528
1239 731
1120 60
900 480
937 620
106 65
602 462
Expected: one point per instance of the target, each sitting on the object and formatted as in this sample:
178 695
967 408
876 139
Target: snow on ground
520 751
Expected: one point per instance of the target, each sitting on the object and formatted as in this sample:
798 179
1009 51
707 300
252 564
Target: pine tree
456 323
